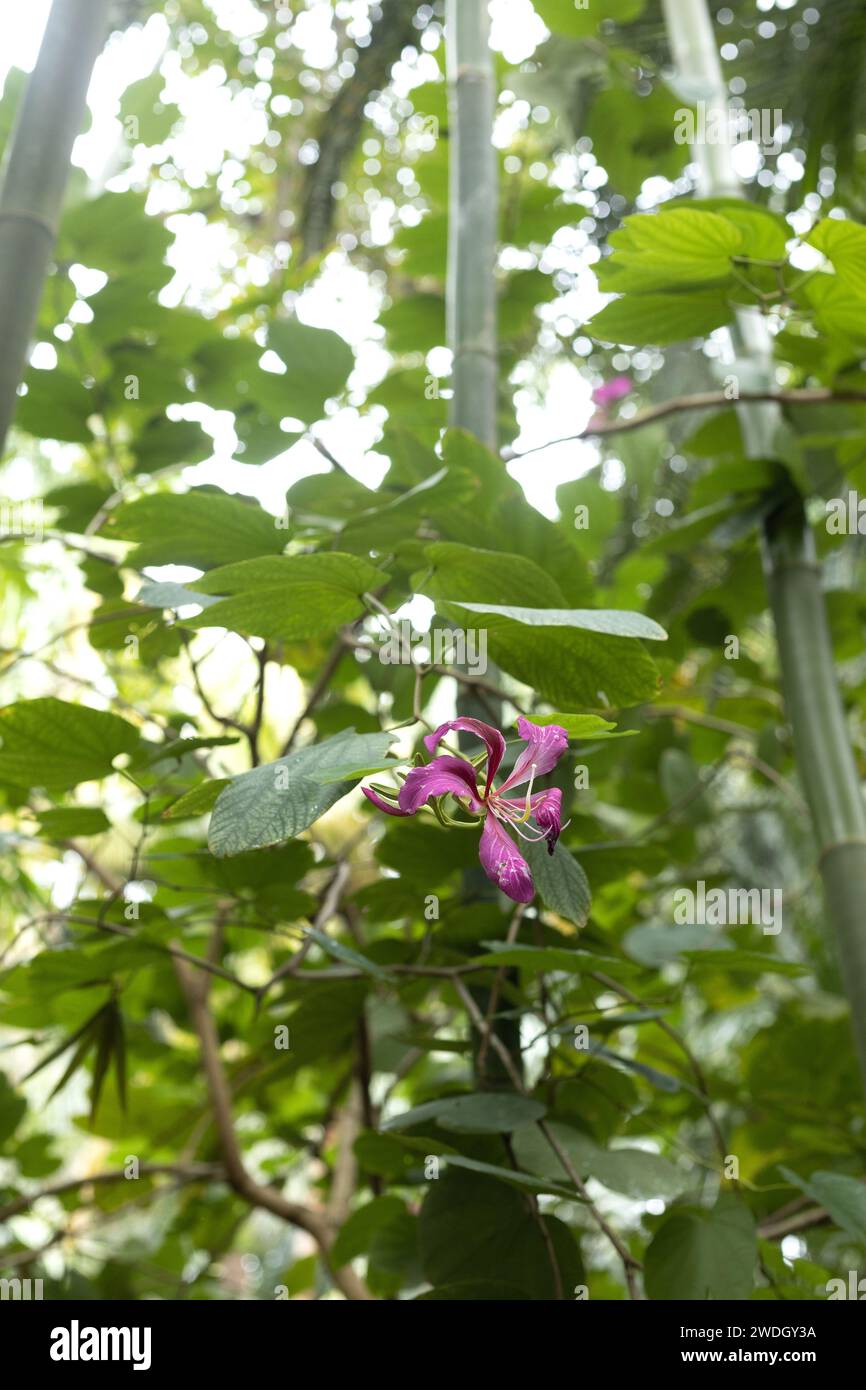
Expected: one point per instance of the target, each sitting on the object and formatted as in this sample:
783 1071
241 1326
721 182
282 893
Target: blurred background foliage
242 356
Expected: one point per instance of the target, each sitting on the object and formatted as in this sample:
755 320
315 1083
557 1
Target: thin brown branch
107 879
701 400
323 680
630 1265
496 990
185 1172
172 949
677 1038
775 1230
327 909
344 1176
475 683
254 731
227 721
343 122
316 1224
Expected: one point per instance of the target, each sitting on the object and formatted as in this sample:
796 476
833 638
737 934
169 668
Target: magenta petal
547 811
546 744
489 736
612 390
443 775
546 808
382 805
503 863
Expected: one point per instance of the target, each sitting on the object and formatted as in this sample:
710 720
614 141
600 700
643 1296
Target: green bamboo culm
472 337
822 747
34 177
473 219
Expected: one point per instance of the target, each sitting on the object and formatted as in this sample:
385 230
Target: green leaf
173 596
200 528
484 1112
474 1228
349 769
198 801
35 1156
838 310
667 250
636 1173
274 802
163 442
583 727
415 323
363 1226
318 363
662 1080
539 959
389 523
699 1254
325 1023
842 1196
541 1186
748 962
611 622
346 955
630 131
655 944
288 597
463 573
146 119
114 233
570 659
110 1047
425 246
765 234
680 779
68 821
560 880
844 245
13 1108
78 503
51 743
103 1034
57 406
658 319
581 20
178 748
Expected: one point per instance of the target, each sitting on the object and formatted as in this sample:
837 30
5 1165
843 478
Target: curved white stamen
531 839
509 814
524 833
528 804
499 808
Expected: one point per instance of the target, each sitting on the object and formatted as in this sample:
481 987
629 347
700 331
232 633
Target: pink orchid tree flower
612 391
604 397
535 816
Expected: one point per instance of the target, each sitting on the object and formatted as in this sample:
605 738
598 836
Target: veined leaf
560 880
699 1253
278 800
198 528
643 320
51 743
583 727
287 597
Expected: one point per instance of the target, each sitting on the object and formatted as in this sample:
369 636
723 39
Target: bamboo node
21 215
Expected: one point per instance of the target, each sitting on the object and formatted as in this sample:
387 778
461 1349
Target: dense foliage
261 1038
